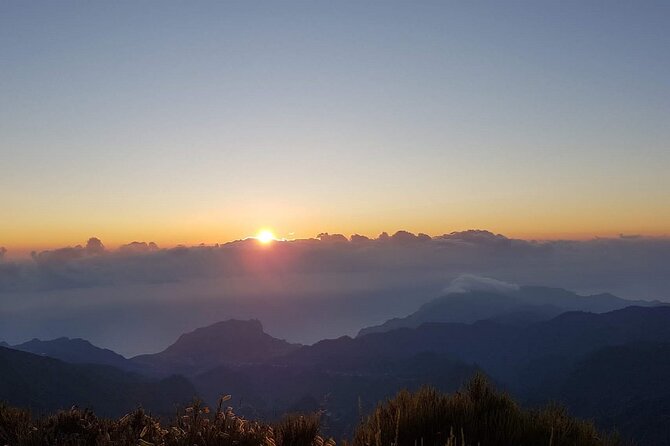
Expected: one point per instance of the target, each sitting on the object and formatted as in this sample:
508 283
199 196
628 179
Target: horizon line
18 252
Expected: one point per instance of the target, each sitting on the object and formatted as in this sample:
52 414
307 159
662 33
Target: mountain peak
247 326
232 341
222 332
75 350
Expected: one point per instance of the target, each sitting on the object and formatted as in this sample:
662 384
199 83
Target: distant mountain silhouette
533 361
227 342
525 305
512 354
465 342
625 386
269 390
609 366
577 333
46 384
550 350
4 344
76 351
612 377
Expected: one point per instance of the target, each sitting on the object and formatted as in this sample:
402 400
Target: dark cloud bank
140 297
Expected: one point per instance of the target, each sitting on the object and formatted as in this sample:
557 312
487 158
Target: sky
190 122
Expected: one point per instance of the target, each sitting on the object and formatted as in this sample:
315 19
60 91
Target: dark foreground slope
46 384
477 415
268 390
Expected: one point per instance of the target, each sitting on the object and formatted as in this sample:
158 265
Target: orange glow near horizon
40 222
265 236
23 246
37 232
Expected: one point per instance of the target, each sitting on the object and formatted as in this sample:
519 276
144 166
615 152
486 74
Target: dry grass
476 416
196 425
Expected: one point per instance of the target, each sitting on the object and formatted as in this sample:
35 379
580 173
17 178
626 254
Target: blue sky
184 122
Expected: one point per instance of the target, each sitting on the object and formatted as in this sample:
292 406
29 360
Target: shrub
477 415
299 430
196 425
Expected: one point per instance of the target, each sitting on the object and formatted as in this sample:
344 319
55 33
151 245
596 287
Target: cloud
138 247
478 237
408 237
469 282
94 246
140 296
332 238
601 263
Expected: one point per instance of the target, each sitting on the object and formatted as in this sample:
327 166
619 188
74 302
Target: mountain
626 387
524 305
478 343
577 333
549 351
560 359
76 351
532 361
227 342
269 390
610 378
47 384
4 344
607 366
522 357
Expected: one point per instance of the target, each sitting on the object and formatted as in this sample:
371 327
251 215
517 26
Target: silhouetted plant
195 425
15 424
298 430
477 415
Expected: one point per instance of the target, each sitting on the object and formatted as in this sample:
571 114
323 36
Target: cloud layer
332 284
470 282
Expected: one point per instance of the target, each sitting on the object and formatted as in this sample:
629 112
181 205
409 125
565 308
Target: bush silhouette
196 425
477 415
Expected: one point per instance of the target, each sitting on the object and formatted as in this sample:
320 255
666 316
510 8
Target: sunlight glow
265 236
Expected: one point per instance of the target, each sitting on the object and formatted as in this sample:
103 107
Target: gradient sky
188 122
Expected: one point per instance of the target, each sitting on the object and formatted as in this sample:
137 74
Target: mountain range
604 357
45 384
512 305
76 351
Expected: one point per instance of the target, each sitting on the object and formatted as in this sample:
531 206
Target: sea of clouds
140 297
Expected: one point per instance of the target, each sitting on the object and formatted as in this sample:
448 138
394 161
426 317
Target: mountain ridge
75 351
542 303
48 384
231 341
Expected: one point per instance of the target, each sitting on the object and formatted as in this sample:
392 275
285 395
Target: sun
265 236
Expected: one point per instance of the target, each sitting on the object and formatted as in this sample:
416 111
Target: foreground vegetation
475 416
196 425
